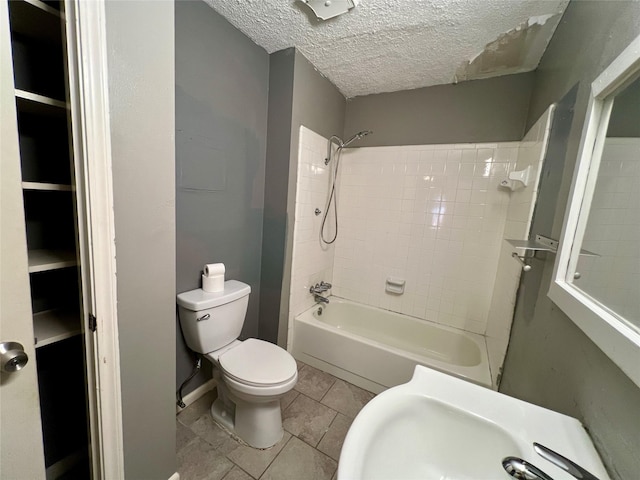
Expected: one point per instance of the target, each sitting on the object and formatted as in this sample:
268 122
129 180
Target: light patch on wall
515 51
203 167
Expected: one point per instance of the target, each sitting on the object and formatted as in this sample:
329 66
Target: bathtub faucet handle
319 288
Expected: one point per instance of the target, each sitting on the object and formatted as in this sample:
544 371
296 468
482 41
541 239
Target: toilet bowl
252 375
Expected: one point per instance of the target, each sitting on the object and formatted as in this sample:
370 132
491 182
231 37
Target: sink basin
440 427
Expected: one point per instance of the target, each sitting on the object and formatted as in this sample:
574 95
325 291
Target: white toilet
252 375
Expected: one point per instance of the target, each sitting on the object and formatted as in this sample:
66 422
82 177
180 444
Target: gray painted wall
298 95
625 115
550 361
141 101
491 110
221 86
317 104
274 230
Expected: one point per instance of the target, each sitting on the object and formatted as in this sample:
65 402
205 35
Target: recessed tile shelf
43 260
54 325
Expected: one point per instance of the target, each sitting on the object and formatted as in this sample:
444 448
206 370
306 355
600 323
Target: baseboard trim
191 397
175 476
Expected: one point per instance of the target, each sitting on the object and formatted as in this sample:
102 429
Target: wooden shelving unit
49 187
25 14
29 102
53 326
44 260
40 73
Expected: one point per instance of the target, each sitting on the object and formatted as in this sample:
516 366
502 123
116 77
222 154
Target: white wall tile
519 211
431 214
613 231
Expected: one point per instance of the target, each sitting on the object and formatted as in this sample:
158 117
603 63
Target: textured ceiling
391 45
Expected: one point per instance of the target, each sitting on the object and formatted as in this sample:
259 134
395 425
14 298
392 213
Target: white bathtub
377 349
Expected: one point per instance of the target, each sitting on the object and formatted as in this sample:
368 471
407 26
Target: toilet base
257 424
223 417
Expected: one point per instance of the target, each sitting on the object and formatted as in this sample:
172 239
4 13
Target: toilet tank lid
198 299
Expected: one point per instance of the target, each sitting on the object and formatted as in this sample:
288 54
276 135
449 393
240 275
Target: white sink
440 427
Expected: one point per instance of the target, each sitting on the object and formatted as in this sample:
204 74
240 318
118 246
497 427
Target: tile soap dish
395 285
517 179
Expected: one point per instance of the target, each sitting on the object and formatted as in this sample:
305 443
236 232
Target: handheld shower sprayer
334 139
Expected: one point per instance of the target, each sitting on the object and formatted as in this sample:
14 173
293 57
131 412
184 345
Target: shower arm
332 139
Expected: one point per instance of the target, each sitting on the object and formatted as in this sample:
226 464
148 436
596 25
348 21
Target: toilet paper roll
213 284
213 269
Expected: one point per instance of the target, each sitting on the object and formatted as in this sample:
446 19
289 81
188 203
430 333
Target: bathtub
377 349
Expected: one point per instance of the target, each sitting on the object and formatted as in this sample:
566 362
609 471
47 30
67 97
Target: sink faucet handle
325 284
564 463
522 470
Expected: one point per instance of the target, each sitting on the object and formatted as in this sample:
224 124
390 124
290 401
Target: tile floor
316 416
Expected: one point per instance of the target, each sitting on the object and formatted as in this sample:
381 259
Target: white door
21 449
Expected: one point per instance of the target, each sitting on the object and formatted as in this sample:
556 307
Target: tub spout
320 299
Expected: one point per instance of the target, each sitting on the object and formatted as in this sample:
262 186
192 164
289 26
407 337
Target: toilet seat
256 363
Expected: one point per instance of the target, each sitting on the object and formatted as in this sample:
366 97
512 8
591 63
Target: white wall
613 231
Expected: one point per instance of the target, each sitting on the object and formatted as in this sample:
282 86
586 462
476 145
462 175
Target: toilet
251 375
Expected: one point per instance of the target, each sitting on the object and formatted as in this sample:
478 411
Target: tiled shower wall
312 261
531 153
433 215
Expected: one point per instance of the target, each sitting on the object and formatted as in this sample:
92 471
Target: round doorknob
12 357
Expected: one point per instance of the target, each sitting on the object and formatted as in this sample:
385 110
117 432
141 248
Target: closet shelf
54 325
36 19
52 187
29 102
43 260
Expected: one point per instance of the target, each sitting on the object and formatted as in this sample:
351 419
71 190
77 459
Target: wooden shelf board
36 19
53 325
47 8
43 260
30 102
52 187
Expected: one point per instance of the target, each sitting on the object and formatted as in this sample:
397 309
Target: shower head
334 139
357 136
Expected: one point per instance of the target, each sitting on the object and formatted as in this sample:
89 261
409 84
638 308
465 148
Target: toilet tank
211 320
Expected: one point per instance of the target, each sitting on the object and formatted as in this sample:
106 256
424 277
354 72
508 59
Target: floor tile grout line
328 388
327 430
332 420
236 465
228 471
274 458
335 379
287 407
